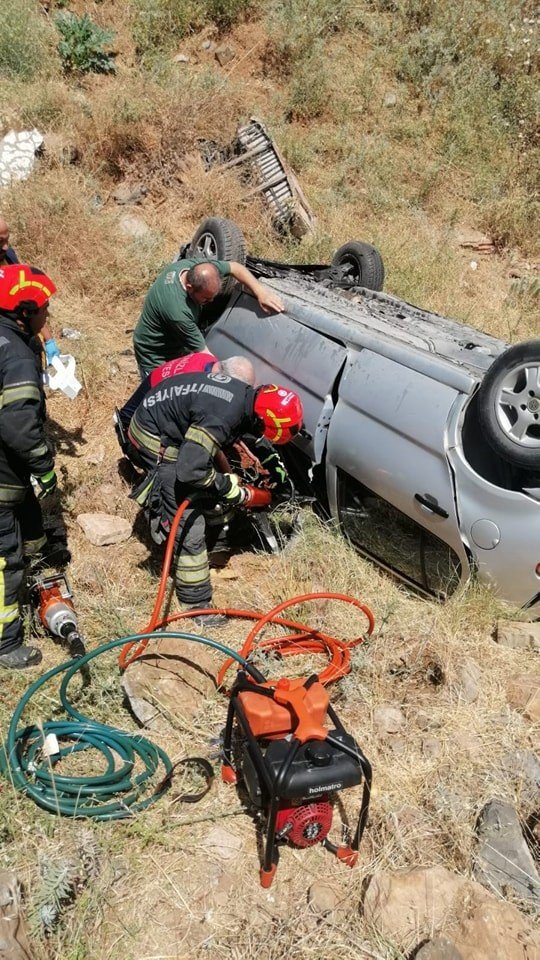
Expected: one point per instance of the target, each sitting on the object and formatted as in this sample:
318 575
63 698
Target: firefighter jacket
23 447
187 419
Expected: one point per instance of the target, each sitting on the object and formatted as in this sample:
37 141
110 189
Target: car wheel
364 262
219 239
509 405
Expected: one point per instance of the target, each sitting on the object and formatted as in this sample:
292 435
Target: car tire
219 239
509 405
365 263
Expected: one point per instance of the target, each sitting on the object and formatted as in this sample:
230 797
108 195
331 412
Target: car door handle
431 503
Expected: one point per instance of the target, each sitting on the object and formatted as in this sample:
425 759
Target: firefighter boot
20 658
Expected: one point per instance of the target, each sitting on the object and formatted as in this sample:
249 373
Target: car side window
397 541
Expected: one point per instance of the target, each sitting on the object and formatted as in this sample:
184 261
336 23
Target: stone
103 529
523 694
224 55
174 679
524 767
57 148
491 929
412 904
323 899
97 456
388 719
474 240
439 949
181 58
133 227
208 45
503 861
517 635
431 747
390 99
398 745
69 333
408 906
127 365
14 944
468 681
225 845
126 193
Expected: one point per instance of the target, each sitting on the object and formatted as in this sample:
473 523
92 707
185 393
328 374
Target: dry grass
370 171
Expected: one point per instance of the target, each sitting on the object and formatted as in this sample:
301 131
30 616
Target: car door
284 350
388 477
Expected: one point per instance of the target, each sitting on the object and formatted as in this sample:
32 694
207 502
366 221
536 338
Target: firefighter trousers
200 530
21 538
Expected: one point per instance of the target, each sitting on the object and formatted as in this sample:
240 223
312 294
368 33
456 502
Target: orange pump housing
293 709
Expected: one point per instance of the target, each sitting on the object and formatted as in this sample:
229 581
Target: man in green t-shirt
168 325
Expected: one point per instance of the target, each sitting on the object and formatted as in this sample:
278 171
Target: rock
439 949
224 55
69 333
474 240
468 685
390 99
523 694
322 898
224 844
518 635
398 745
408 906
431 747
127 365
524 767
387 719
134 227
57 148
174 680
491 929
208 45
413 904
130 194
14 943
103 529
97 456
503 861
181 58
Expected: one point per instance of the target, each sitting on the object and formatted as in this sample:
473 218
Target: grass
455 150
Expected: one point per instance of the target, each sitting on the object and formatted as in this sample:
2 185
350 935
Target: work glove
236 494
278 479
51 350
45 485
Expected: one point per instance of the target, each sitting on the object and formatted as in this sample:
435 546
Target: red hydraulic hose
305 639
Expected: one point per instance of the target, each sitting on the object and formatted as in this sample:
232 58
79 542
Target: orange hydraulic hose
123 659
305 639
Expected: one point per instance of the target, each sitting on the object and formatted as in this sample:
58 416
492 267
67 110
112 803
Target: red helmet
281 412
24 287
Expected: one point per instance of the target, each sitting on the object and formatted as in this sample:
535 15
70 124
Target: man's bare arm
268 300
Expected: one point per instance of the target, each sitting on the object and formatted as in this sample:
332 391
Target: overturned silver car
422 434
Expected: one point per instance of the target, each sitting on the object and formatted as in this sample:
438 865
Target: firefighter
190 363
176 433
8 255
26 460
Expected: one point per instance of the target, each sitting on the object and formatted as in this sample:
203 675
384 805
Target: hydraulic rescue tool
53 600
291 765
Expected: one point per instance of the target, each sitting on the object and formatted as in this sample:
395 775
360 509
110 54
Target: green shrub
82 47
297 27
225 13
27 41
158 25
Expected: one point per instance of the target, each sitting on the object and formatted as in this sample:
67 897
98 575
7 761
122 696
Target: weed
83 43
26 52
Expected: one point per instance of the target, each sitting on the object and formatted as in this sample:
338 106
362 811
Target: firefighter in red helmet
26 460
177 433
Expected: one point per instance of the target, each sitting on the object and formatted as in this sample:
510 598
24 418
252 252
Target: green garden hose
112 794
